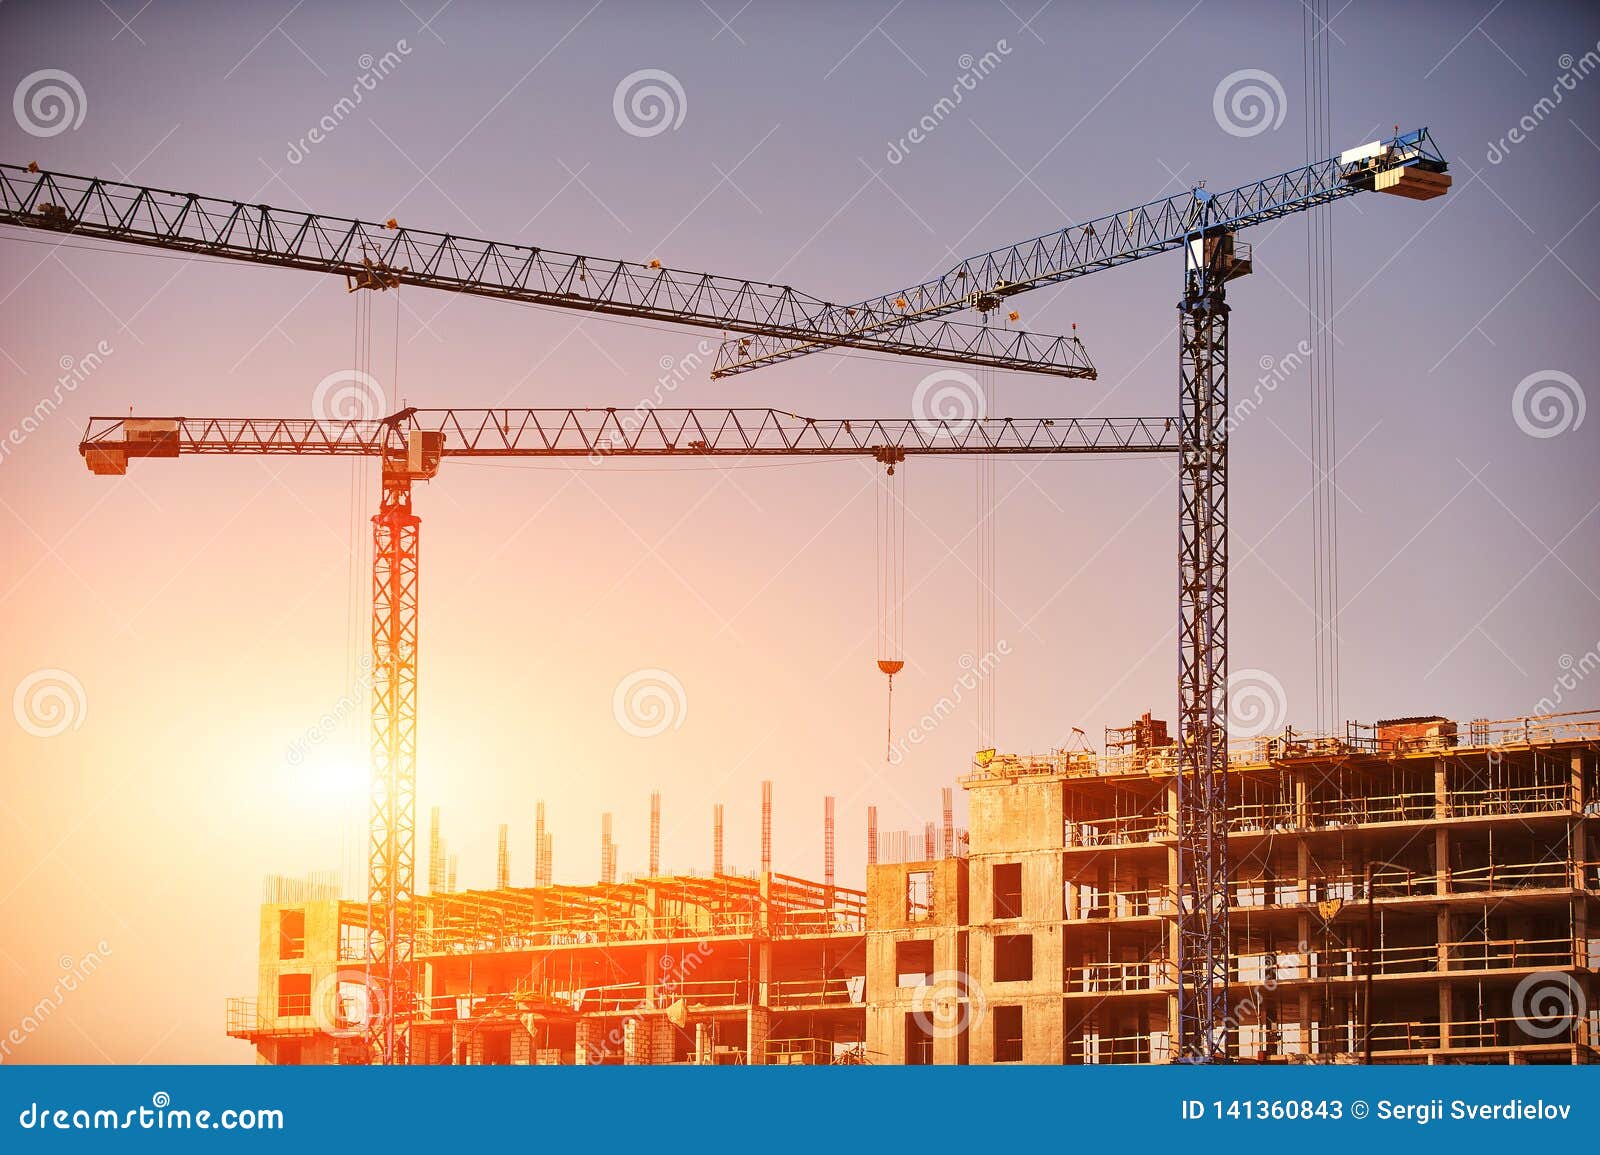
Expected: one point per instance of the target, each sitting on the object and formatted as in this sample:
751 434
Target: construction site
1418 891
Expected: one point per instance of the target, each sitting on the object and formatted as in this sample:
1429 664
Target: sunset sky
213 611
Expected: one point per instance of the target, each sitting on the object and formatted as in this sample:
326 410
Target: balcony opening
1007 1034
292 933
913 963
1008 890
1013 958
294 995
919 895
919 1040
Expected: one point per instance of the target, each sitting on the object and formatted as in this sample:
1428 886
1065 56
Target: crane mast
1202 786
392 846
1204 226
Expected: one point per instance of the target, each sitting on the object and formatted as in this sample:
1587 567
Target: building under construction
1419 890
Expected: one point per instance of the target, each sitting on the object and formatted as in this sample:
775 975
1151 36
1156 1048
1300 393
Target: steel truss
643 431
392 849
370 255
984 281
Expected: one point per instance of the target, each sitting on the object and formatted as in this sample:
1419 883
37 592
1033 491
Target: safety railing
1327 813
1514 1032
1510 953
1387 882
816 992
1502 800
1391 883
1093 903
1261 817
244 1017
800 1052
1094 1049
462 1007
294 1006
1405 1036
637 996
473 939
838 920
1535 730
1516 876
1121 831
1109 977
1363 810
1342 1042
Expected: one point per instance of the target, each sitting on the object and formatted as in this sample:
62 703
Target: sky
194 630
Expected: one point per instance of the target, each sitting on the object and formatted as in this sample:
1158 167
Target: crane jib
381 256
1407 165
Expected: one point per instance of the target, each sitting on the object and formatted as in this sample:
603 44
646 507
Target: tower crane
372 255
777 324
1203 225
409 447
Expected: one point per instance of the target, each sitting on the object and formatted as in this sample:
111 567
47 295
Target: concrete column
761 964
1575 834
1442 929
1441 789
1441 860
652 974
636 1042
1172 923
582 1040
1446 1003
1303 998
1583 957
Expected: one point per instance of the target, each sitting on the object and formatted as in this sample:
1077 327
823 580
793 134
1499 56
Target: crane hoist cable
359 570
985 505
890 544
1316 63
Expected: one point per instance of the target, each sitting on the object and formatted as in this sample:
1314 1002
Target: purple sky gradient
211 609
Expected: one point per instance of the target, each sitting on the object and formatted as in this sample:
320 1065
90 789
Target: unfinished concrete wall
1015 948
887 894
1017 1029
918 974
1016 816
295 970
